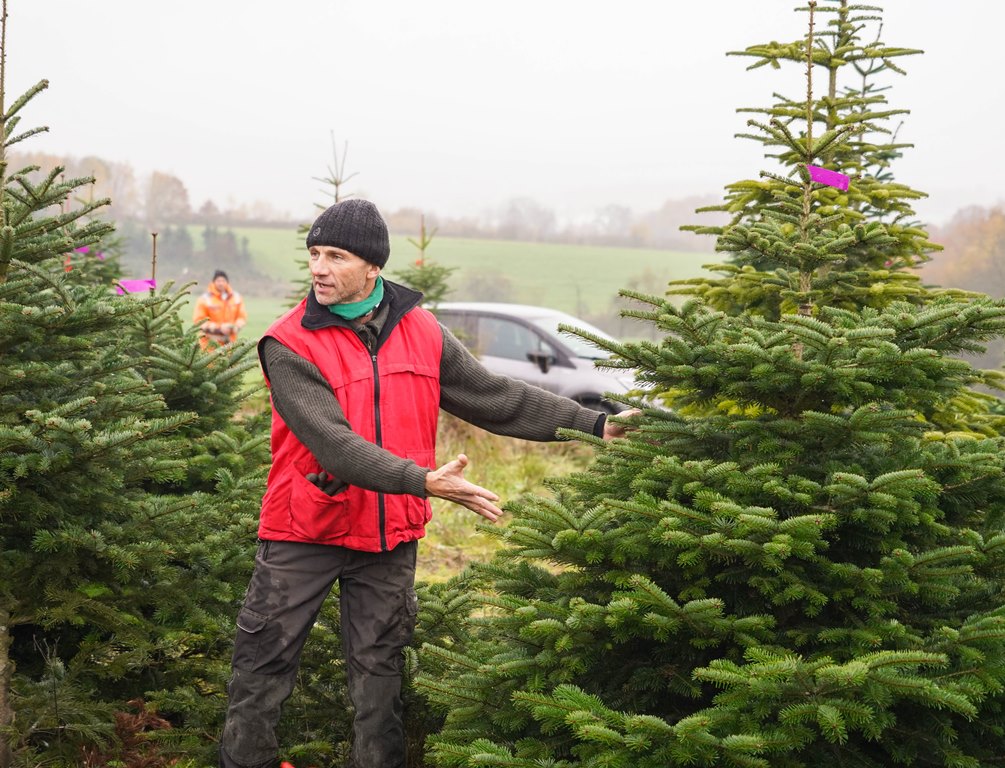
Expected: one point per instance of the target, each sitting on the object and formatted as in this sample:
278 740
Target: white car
524 342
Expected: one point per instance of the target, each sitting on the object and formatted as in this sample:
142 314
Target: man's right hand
327 483
447 482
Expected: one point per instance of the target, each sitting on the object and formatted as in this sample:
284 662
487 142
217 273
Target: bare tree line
159 199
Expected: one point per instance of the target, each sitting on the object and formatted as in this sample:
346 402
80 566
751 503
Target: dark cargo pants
378 607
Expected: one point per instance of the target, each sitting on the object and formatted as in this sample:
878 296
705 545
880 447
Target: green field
580 279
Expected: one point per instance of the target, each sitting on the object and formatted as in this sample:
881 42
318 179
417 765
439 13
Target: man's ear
373 272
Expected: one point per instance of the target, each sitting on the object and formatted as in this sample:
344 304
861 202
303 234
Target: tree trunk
6 674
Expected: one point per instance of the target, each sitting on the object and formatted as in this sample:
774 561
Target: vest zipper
379 439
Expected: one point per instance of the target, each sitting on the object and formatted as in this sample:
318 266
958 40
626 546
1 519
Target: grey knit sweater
503 406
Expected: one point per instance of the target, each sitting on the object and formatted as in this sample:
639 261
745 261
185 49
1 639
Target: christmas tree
853 137
128 489
796 563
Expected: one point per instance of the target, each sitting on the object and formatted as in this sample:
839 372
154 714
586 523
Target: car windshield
579 346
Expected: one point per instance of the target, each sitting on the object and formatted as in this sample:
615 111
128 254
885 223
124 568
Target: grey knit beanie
355 226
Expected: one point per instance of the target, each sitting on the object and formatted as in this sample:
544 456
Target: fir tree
128 491
851 123
425 275
795 564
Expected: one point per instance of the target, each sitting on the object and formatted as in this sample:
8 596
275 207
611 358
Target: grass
262 311
578 279
509 467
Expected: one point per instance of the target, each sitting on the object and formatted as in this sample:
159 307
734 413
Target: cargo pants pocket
250 624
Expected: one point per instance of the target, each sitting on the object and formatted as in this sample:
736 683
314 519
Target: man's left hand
613 429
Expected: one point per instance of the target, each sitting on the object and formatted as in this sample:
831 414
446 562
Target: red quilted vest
390 398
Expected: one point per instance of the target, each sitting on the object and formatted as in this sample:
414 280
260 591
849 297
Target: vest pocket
314 514
418 511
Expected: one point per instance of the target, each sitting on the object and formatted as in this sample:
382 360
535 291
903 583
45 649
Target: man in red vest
357 373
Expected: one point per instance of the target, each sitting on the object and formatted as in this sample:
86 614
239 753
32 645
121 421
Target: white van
524 342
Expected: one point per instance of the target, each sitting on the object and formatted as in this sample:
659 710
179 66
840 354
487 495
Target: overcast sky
455 106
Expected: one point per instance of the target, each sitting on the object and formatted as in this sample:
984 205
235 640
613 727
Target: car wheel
596 404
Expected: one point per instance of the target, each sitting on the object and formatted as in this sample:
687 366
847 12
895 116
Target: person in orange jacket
221 311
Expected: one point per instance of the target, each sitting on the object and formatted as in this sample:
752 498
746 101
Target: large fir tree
128 489
796 564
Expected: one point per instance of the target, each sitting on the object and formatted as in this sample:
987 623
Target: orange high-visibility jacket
219 309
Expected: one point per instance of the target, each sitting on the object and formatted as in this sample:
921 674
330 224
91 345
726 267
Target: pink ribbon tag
134 286
830 178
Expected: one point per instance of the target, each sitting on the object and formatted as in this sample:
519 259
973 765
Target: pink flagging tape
830 178
134 286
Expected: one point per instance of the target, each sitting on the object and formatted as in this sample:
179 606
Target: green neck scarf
356 309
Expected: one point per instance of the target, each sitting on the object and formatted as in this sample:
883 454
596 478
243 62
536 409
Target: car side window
499 337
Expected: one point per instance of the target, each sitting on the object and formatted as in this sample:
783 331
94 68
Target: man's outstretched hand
447 482
613 429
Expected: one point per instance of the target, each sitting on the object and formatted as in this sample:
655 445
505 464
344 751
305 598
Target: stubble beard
341 295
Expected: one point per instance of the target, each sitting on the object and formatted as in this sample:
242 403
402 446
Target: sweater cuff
598 426
590 422
414 480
